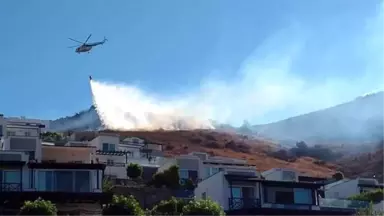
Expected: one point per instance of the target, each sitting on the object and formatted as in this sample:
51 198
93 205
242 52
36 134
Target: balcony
9 187
243 203
342 203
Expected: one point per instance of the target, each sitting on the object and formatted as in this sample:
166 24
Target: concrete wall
342 190
63 154
216 188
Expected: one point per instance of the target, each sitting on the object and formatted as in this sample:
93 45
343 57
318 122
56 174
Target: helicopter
86 47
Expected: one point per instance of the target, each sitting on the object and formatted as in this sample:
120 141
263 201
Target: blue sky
320 52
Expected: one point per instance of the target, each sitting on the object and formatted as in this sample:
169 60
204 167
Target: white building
235 192
118 154
346 188
199 166
24 167
278 191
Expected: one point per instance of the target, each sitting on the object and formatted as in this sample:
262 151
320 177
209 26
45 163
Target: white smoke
122 107
267 85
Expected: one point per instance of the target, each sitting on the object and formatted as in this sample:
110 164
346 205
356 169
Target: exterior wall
342 190
3 126
19 137
63 154
277 174
99 140
215 188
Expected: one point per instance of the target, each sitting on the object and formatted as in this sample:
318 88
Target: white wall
216 188
342 190
99 140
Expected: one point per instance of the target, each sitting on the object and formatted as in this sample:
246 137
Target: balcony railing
342 203
244 203
116 164
7 187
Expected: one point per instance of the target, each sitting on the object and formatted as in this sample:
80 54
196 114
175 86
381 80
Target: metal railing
342 203
243 203
6 187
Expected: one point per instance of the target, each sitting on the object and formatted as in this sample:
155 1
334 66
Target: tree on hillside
134 171
338 176
203 207
38 207
122 205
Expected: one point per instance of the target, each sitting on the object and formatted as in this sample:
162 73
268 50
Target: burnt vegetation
321 153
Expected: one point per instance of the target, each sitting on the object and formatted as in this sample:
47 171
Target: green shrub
371 196
173 206
203 207
122 205
134 170
188 184
107 186
369 211
38 207
169 178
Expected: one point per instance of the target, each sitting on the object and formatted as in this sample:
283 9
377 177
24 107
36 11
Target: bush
173 206
107 186
188 184
169 178
38 207
371 196
134 170
203 207
338 176
122 205
369 211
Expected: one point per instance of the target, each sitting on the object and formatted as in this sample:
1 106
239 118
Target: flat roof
55 165
265 182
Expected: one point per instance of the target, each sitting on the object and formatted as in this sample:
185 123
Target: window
303 196
65 181
236 192
183 174
1 130
108 147
82 181
11 176
11 133
288 176
27 133
207 172
214 170
110 162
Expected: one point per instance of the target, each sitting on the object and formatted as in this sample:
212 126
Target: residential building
30 169
346 188
199 165
117 154
275 193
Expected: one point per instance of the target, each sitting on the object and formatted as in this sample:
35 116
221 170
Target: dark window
82 181
31 155
64 181
1 130
284 197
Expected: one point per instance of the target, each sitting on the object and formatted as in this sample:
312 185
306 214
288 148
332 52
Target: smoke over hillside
297 70
122 107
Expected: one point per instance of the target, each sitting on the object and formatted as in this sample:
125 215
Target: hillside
360 120
227 145
365 165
